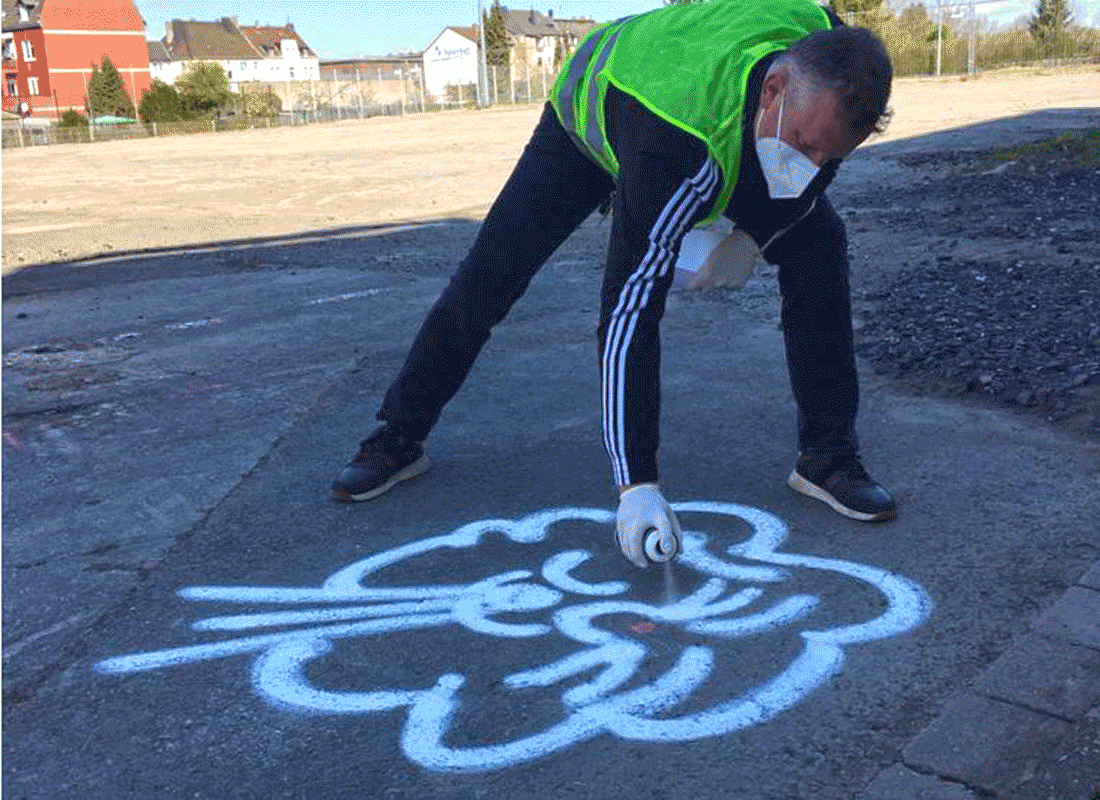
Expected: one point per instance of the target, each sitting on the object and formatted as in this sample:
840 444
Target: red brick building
50 46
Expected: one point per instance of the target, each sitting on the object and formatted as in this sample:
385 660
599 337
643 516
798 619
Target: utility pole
939 36
971 67
483 64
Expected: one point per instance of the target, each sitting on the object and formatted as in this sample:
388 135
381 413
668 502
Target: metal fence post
939 36
971 66
91 113
359 92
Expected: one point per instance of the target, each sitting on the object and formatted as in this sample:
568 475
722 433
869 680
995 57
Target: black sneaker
385 459
843 483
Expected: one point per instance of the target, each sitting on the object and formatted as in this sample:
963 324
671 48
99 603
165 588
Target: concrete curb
1029 726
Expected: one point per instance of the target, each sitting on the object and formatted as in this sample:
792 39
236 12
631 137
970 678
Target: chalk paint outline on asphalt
594 707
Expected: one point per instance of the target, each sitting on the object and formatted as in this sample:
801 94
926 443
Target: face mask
787 171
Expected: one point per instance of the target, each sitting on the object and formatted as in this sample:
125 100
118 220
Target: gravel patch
1002 300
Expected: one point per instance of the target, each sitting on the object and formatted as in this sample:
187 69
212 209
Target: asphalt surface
178 622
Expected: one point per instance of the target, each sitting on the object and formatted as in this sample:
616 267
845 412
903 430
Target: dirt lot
69 201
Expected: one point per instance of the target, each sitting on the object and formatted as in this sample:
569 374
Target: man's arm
667 183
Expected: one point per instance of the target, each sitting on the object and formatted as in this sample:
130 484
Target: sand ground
70 201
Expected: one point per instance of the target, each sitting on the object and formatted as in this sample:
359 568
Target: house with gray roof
540 40
265 53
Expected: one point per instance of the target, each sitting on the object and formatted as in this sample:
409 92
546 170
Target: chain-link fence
519 84
26 134
343 96
950 39
402 90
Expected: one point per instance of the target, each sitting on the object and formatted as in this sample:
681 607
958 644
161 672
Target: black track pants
817 330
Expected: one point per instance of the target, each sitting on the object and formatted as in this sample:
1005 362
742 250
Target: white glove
642 509
729 265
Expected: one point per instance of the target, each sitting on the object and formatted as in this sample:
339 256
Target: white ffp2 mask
787 171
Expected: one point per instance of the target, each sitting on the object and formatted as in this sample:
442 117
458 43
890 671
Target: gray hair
852 62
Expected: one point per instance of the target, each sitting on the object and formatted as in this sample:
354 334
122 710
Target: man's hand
643 508
728 266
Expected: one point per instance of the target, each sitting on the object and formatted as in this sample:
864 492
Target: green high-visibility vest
688 64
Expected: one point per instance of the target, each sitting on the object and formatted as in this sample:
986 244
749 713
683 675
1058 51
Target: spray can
653 549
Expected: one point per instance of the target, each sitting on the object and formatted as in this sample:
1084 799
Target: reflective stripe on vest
578 101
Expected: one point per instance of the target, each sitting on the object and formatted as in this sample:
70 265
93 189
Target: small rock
997 170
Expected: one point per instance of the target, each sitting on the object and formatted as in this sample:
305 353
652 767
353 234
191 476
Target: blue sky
338 28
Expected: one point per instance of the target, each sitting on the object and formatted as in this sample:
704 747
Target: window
32 86
9 50
229 74
244 66
24 16
13 88
28 50
292 73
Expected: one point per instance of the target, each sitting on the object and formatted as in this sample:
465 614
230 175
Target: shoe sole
418 467
803 486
